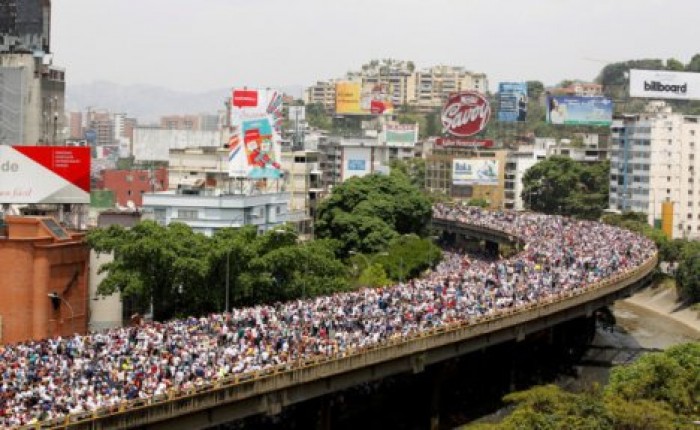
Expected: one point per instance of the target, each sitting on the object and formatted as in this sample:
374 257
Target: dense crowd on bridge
44 380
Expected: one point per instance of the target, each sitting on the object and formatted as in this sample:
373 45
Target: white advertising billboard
662 84
400 135
44 174
474 172
254 145
356 162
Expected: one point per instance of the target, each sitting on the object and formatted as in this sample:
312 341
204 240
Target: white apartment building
654 159
517 163
202 195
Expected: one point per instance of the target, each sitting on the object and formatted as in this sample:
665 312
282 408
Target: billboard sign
474 172
244 98
575 110
661 84
357 161
254 145
353 98
465 114
512 101
401 135
447 142
44 174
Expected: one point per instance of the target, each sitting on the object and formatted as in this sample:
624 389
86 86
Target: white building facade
655 159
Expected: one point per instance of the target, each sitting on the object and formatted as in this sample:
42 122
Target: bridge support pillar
324 417
418 363
491 248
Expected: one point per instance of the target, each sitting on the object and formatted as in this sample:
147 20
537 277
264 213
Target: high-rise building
101 124
25 26
75 125
435 84
655 159
31 88
323 93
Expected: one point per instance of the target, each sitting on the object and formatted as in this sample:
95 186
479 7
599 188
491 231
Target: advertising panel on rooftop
254 145
474 172
575 110
401 135
44 174
662 84
354 98
512 101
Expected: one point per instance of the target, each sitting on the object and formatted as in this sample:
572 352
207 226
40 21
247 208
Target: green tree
688 274
166 265
317 116
675 65
412 169
535 89
694 64
409 255
671 377
364 214
373 276
560 185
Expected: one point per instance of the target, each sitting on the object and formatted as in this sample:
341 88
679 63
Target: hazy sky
198 45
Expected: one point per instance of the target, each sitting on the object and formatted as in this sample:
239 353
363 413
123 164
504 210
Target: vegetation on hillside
658 391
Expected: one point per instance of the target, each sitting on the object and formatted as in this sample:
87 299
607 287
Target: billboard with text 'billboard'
662 84
44 174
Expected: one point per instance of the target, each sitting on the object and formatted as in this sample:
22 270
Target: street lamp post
228 268
55 296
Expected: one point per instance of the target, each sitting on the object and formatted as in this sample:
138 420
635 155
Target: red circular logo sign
465 114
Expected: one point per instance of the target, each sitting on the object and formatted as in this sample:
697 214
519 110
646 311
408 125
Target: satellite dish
130 204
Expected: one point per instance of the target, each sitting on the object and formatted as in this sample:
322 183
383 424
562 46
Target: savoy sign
465 114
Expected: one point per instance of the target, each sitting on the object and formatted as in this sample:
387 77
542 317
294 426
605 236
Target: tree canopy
658 391
560 185
365 214
181 272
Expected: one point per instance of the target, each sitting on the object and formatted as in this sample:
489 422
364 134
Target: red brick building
131 184
44 282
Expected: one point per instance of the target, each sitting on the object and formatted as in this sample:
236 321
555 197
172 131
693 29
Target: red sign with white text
44 174
447 142
465 114
245 98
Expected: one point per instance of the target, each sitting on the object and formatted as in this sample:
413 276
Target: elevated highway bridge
268 393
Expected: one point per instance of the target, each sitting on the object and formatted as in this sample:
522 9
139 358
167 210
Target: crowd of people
48 379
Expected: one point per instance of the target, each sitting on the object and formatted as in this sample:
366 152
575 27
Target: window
187 214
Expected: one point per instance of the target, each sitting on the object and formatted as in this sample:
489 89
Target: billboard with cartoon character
254 145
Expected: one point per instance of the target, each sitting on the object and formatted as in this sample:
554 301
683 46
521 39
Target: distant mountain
148 102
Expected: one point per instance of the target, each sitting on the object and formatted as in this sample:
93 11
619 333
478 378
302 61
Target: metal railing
238 387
